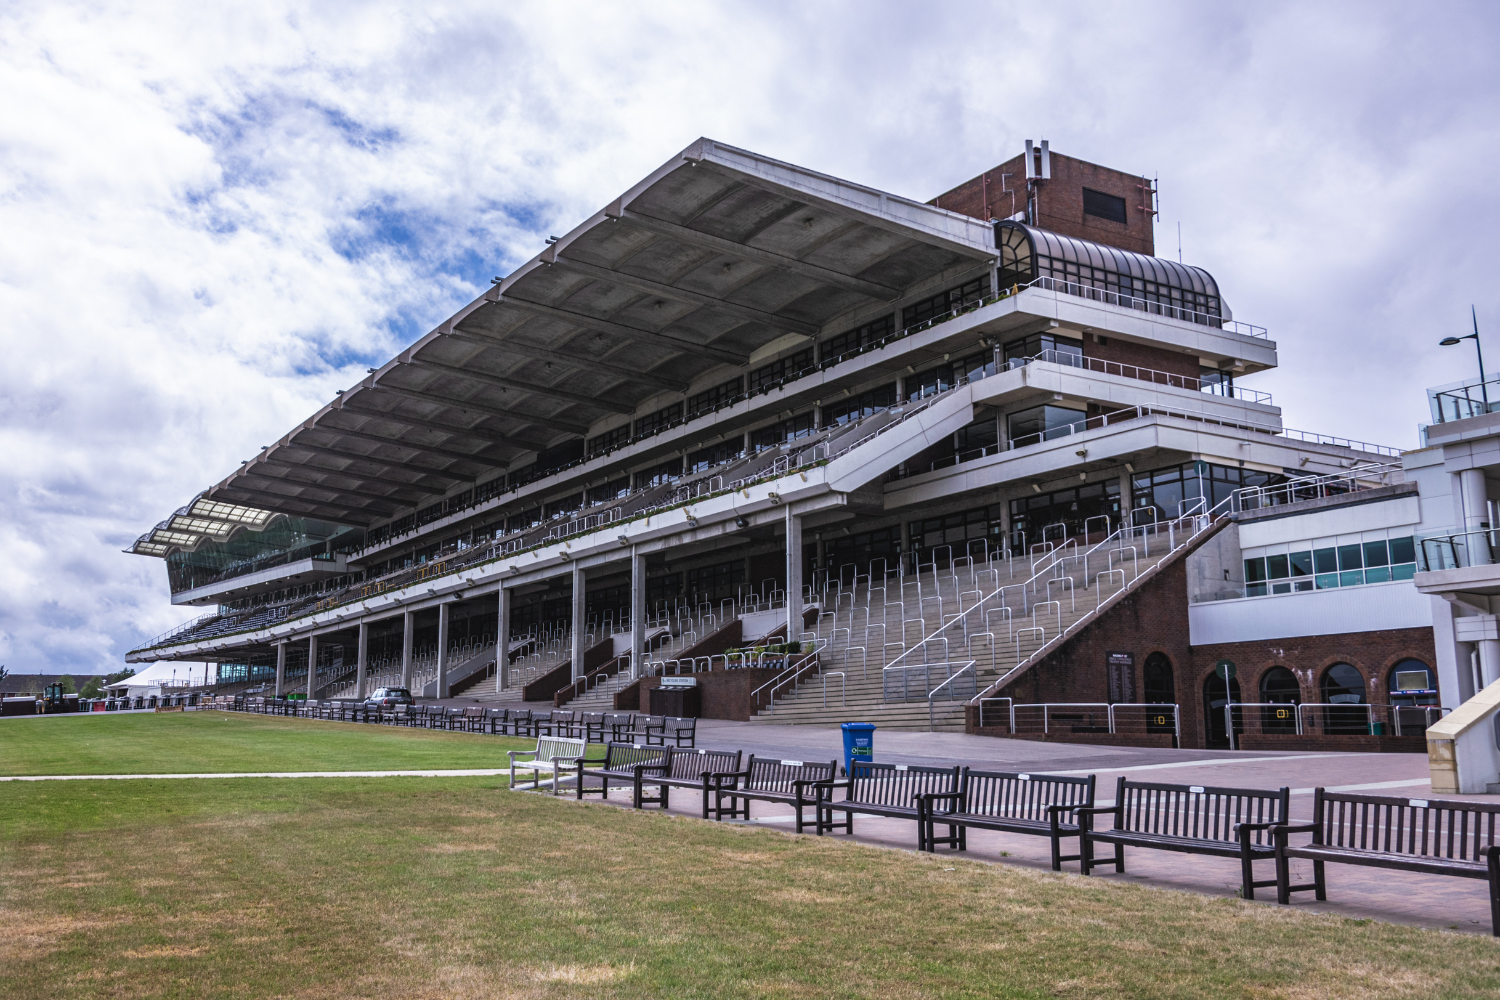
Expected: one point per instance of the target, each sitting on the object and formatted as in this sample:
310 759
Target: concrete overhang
1451 584
263 581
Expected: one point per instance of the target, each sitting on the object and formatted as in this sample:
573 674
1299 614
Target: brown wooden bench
1431 836
765 779
889 790
1041 805
629 763
690 769
1191 819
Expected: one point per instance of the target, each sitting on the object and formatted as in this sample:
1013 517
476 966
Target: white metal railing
1148 306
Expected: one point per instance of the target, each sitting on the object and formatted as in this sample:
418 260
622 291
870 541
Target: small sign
679 682
1023 777
174 708
1196 789
1417 803
1282 713
792 763
900 767
1159 720
1224 669
1120 669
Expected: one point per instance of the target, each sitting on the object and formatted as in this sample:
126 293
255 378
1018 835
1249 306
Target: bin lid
860 727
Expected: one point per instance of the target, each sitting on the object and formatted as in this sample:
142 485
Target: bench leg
1494 882
1283 879
1320 892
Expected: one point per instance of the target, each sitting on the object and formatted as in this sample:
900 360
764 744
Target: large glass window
781 370
937 539
943 302
876 553
660 420
1064 514
1351 564
659 475
717 454
1164 490
712 399
856 407
717 582
1279 686
1048 347
860 338
1043 423
283 540
797 426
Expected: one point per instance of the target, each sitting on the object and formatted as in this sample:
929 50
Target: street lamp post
1450 341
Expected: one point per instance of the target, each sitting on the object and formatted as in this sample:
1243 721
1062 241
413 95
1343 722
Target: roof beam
485 378
389 463
587 322
488 437
708 241
304 507
571 360
683 295
417 446
556 423
344 474
396 502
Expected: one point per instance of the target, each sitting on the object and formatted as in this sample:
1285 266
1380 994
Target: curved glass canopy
1028 254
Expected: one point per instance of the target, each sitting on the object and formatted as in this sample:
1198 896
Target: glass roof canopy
204 518
1028 253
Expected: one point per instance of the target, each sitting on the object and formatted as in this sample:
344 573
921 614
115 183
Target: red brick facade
1001 193
1154 619
1160 359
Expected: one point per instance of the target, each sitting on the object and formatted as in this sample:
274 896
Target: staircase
996 610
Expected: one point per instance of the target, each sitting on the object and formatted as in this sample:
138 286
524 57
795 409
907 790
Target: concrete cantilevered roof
713 257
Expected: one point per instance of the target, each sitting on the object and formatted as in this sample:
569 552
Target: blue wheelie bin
859 742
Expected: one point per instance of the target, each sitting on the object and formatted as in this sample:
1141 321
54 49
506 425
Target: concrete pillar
442 656
312 665
580 606
637 612
745 444
793 576
1127 497
1475 497
280 669
1489 660
406 637
502 642
362 663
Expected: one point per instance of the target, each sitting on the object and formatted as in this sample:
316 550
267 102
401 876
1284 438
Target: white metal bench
552 755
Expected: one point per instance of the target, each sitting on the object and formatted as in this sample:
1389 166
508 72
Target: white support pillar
442 651
637 612
312 666
1489 660
793 575
1476 518
280 669
407 621
362 663
580 606
1127 496
502 642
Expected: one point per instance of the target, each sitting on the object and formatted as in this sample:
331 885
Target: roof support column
406 630
502 642
362 662
579 607
637 612
280 668
442 652
312 666
793 575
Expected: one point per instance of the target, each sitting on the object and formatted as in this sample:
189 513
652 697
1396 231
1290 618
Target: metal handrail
843 702
931 695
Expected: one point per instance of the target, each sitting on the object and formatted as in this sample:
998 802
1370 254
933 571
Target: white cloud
213 217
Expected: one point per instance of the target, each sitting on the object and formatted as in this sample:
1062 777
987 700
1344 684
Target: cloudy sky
214 215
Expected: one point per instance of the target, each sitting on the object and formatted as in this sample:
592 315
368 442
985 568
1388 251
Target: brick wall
1159 359
1059 201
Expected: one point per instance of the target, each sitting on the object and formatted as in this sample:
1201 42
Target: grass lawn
198 742
457 887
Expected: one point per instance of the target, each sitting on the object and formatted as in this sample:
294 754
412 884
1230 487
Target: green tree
92 688
119 675
68 687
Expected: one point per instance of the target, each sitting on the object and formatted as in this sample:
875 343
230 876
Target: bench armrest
829 783
1255 826
1095 810
1054 810
1279 831
520 753
929 796
729 774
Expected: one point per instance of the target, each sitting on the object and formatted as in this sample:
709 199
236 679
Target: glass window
1349 557
1325 561
1404 572
1403 550
1255 570
712 399
1351 578
1380 574
1042 423
781 370
1343 684
1281 588
1327 581
1047 346
1276 568
1376 554
1302 563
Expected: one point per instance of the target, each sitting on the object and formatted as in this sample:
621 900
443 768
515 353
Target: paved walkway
475 773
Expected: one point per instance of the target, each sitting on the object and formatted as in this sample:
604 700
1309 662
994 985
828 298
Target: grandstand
747 405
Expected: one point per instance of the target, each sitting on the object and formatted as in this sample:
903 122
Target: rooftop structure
737 391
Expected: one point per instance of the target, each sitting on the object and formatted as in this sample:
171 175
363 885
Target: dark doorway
1344 685
1278 686
1213 710
1160 689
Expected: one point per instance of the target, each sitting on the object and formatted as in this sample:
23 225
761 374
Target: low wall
1348 744
726 693
1092 739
